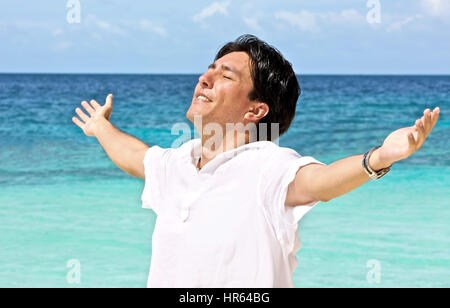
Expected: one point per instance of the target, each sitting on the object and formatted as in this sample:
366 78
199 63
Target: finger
95 104
427 120
109 100
82 115
434 117
412 141
421 134
88 107
77 122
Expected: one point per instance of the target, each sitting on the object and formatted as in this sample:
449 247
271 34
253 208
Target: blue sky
317 36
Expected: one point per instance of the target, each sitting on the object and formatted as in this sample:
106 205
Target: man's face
221 95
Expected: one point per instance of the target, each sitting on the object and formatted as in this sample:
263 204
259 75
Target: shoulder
267 155
282 162
278 154
182 151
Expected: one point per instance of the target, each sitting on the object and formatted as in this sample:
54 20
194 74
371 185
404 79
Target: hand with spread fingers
126 151
403 142
325 183
96 113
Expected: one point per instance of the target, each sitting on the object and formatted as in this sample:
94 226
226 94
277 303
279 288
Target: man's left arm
316 182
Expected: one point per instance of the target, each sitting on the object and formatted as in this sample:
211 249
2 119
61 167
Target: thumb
109 101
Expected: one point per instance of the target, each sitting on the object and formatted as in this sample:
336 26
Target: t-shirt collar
223 157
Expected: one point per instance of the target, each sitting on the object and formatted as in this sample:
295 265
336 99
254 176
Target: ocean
62 202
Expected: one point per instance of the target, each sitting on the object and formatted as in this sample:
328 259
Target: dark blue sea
61 198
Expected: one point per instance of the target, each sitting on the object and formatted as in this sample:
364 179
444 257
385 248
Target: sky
316 36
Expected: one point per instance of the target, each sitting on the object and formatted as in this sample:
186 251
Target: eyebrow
225 68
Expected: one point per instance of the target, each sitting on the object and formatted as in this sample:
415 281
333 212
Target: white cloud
397 26
63 45
305 20
351 15
213 9
57 31
104 25
310 21
253 23
148 25
437 7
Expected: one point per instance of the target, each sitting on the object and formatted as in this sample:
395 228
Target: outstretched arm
316 182
126 151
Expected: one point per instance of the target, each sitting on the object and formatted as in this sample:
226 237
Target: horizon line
191 74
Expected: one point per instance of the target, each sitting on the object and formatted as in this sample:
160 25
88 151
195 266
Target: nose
205 80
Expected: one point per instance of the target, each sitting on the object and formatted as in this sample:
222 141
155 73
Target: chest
211 208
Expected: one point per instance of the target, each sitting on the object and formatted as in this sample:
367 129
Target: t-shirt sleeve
280 170
155 166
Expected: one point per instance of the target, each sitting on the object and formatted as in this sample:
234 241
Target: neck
215 144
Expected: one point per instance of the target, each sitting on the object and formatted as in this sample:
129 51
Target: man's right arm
126 151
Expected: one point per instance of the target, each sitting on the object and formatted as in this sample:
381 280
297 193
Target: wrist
376 163
99 125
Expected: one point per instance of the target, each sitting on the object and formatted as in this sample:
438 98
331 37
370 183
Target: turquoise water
62 199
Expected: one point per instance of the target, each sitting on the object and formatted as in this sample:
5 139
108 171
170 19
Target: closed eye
226 77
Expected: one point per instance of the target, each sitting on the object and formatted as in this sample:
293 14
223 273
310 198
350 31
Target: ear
256 112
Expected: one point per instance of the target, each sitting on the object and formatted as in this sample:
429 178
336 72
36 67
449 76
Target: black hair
274 80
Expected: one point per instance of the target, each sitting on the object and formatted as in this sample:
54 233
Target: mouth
200 98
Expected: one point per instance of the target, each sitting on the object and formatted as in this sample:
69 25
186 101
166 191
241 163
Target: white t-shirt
225 225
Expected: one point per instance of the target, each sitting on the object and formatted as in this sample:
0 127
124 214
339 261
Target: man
228 209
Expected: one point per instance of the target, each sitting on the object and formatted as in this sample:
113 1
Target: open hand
403 142
96 113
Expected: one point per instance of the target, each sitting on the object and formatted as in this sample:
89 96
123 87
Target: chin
189 115
196 109
192 111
